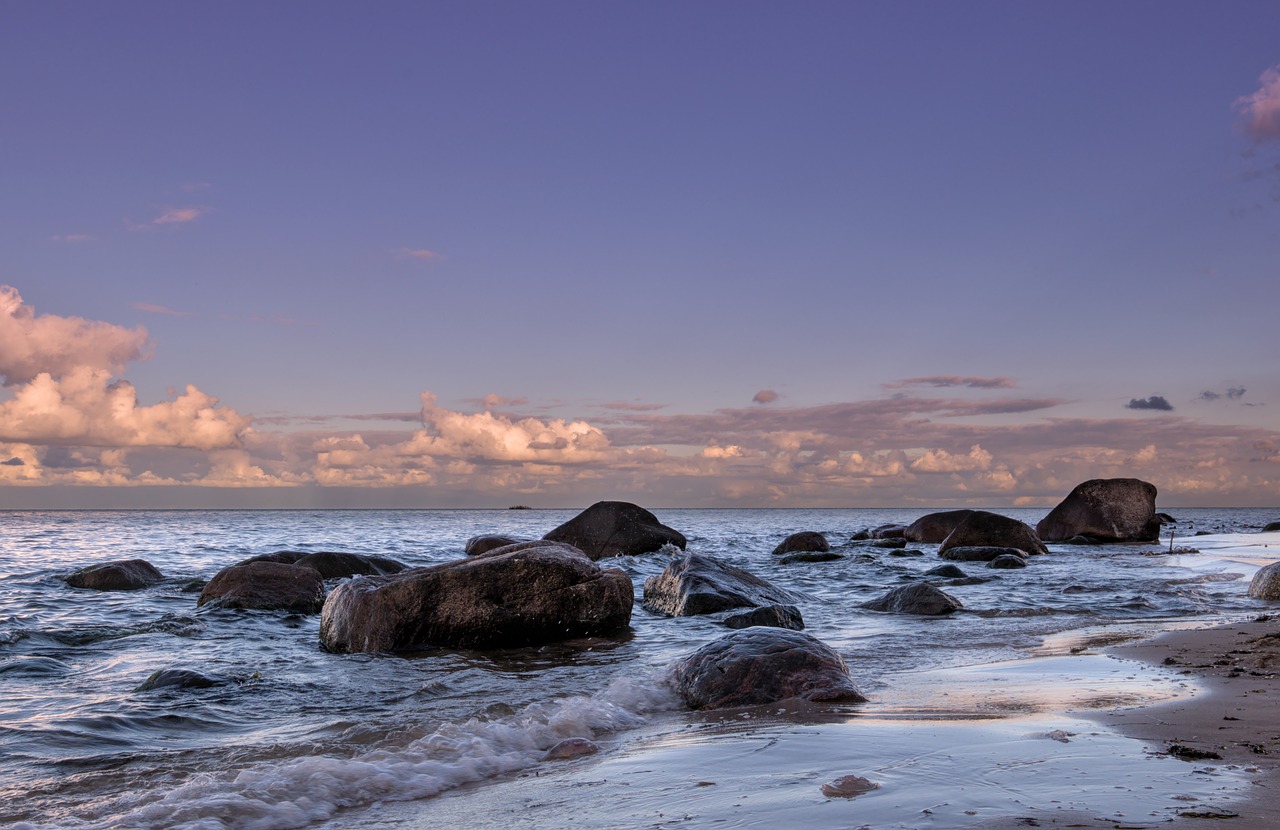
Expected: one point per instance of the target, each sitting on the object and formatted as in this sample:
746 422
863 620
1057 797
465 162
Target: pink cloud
73 238
419 254
955 380
765 396
1260 110
152 308
181 216
32 344
626 406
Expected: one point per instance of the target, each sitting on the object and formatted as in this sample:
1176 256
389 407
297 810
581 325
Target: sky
696 254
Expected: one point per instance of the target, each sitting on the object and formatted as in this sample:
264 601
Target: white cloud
31 344
941 461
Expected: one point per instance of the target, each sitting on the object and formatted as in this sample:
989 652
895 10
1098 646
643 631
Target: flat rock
1107 509
763 665
888 531
122 575
981 528
919 598
979 553
810 556
694 584
266 586
615 528
533 592
769 616
934 527
805 540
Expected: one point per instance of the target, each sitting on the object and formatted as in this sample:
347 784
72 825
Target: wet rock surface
695 584
934 527
477 545
616 528
769 616
920 598
266 586
332 564
979 553
1106 509
122 575
805 540
984 529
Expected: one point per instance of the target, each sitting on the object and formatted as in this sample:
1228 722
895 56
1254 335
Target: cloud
73 238
493 400
1153 402
941 461
765 396
32 344
1233 393
181 216
626 406
1260 110
419 254
152 308
955 380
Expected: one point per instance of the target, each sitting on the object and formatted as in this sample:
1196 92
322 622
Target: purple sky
685 254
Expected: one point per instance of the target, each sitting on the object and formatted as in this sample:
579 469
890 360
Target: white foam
310 789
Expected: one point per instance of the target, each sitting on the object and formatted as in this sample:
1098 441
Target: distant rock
1007 561
1107 509
331 564
981 528
769 616
477 545
919 598
535 592
804 541
178 679
1271 528
615 528
979 553
934 527
810 556
266 586
122 575
1166 519
763 665
906 552
860 534
694 584
1266 583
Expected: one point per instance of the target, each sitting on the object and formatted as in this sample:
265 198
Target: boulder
860 534
919 598
1007 561
533 592
947 572
615 528
763 665
979 553
810 556
124 575
934 527
331 564
178 679
477 545
769 616
888 531
992 529
1107 509
805 540
696 584
1266 583
266 586
1270 528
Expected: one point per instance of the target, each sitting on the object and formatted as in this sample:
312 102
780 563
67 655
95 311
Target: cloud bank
1156 402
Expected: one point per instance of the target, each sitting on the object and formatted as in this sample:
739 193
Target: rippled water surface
297 736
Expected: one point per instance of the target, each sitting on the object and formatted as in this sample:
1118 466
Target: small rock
477 545
124 575
1007 561
948 571
1271 528
920 598
770 616
805 540
810 556
571 748
1266 583
178 679
906 552
848 786
978 553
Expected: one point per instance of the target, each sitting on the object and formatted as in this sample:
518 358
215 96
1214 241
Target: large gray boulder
918 598
1105 509
695 584
266 586
331 564
123 575
533 592
615 528
1266 583
763 665
983 529
934 527
804 541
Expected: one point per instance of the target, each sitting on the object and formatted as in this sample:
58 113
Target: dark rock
178 679
964 580
848 786
860 534
949 571
991 529
907 552
1271 528
1109 509
934 527
1166 519
1207 533
1007 561
569 747
919 598
1266 583
810 556
1081 540
805 540
615 528
979 553
769 616
194 586
124 575
889 531
477 545
331 564
533 592
266 586
889 542
763 665
695 584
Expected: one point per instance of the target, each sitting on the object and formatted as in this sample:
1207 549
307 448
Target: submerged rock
1107 509
919 598
123 575
178 679
763 665
1270 528
805 540
571 748
769 616
615 528
984 529
477 545
1266 583
848 786
934 527
696 584
1007 561
810 556
947 571
979 553
534 592
265 586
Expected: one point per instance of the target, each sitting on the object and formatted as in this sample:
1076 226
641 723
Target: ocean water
298 737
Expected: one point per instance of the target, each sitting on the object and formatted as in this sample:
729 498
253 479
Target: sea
969 716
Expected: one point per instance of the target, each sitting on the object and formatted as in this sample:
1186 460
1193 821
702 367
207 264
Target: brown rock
331 564
571 748
805 540
1105 509
615 528
124 575
849 786
266 586
1266 583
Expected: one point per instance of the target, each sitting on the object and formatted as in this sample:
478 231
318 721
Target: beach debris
533 592
934 527
848 786
763 665
805 540
694 584
122 575
1190 753
477 545
616 528
265 586
1105 509
984 529
1266 583
771 616
571 748
919 598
